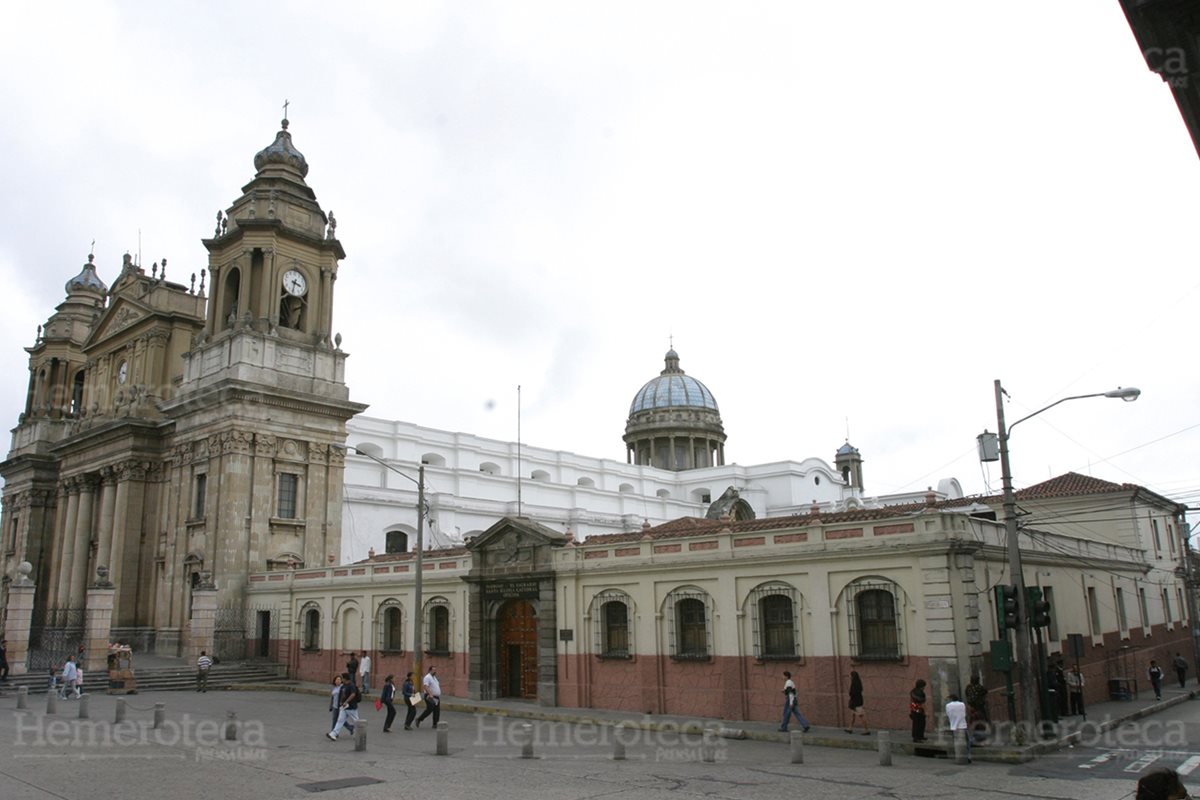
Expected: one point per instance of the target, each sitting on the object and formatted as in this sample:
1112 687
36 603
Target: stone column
18 617
62 587
104 529
83 541
98 621
204 620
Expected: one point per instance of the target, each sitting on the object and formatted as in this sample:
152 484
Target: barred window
438 626
874 614
391 627
775 621
614 616
286 507
311 638
690 626
610 613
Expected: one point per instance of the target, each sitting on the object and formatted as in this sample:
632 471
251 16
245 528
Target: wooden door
518 650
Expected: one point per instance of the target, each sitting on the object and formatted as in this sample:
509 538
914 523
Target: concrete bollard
231 726
443 739
797 741
51 702
708 746
360 736
23 697
119 715
83 706
619 742
160 714
960 747
526 740
885 748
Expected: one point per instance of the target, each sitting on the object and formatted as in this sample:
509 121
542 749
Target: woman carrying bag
410 701
916 711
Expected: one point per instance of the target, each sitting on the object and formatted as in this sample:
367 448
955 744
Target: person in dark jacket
348 716
1161 784
387 698
858 709
409 691
916 711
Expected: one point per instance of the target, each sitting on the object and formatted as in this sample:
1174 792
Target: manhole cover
341 783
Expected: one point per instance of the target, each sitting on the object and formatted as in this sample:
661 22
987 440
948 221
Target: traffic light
1039 607
1006 609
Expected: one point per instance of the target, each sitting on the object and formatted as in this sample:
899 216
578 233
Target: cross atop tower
285 105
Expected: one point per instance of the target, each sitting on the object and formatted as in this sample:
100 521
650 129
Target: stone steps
160 679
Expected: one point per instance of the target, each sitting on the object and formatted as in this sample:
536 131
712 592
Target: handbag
378 704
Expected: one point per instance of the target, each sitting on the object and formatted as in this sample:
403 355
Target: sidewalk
1105 716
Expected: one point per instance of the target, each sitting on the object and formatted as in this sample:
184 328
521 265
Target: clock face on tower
294 283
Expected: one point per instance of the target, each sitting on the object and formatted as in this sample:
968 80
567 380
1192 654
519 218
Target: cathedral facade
177 438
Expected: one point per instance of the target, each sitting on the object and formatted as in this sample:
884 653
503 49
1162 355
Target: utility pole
1024 659
417 615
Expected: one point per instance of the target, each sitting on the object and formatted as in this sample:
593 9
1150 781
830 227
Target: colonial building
173 441
700 616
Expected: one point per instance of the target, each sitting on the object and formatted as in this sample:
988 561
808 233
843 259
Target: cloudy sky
848 216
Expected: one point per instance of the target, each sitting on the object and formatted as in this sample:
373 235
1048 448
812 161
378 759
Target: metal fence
55 634
245 633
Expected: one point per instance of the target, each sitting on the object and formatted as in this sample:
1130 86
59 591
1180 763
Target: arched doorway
518 650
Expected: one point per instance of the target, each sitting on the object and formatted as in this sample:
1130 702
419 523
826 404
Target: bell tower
274 254
262 401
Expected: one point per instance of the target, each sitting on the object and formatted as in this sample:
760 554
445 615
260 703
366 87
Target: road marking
1098 760
1144 761
1186 767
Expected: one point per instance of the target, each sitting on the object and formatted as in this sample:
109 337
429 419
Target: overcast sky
848 215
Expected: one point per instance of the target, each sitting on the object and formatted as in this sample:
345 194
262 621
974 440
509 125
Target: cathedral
176 436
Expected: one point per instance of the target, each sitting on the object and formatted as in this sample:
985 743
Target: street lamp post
1024 654
418 549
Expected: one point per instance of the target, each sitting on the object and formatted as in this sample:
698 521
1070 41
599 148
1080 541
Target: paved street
282 753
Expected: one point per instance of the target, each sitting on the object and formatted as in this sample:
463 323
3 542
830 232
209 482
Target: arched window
489 468
874 614
433 460
310 638
539 475
689 624
611 613
437 620
587 483
77 394
396 542
775 621
391 627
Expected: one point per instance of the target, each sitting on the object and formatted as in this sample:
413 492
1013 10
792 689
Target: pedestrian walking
335 699
364 673
1180 664
348 705
1156 678
77 684
3 660
68 678
352 667
387 698
858 710
203 665
916 710
790 707
409 691
1161 784
433 697
1075 684
956 717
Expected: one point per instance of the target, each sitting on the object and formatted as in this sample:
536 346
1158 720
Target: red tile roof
1072 484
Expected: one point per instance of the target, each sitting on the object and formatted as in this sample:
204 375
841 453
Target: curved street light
419 549
1024 644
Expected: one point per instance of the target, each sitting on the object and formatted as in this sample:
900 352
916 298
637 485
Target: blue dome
673 389
87 280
